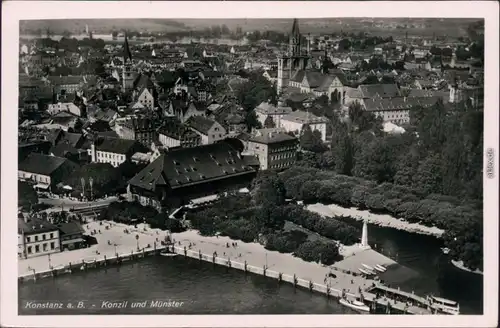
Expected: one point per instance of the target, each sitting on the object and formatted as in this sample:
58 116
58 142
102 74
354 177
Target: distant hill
414 26
58 26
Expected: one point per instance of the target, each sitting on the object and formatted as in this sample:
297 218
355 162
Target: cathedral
297 72
292 60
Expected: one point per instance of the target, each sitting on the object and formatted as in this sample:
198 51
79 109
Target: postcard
300 163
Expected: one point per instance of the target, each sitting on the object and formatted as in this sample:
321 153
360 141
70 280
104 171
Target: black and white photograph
200 162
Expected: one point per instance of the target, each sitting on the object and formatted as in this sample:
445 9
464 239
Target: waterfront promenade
382 220
309 275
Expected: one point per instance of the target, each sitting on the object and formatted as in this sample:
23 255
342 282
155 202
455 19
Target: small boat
167 253
368 267
444 305
356 305
367 272
445 250
380 268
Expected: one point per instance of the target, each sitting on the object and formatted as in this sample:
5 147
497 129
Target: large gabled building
178 176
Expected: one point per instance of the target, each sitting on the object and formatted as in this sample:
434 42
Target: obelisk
364 236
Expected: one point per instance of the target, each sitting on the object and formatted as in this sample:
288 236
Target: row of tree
452 214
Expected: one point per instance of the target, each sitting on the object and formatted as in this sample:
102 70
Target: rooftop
270 109
191 166
200 123
304 118
270 138
41 164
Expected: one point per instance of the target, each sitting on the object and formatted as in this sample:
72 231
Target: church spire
127 55
295 27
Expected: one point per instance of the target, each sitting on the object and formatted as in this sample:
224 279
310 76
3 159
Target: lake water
208 289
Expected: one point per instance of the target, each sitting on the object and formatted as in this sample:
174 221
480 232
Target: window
37 248
44 247
36 238
28 239
30 250
44 236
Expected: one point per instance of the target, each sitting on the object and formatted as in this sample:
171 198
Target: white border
18 10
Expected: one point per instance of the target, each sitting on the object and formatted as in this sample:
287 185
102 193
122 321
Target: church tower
128 75
292 60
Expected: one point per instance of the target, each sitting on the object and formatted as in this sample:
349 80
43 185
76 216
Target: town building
209 130
146 98
36 237
114 151
183 110
45 171
274 150
173 134
179 175
266 110
138 128
295 121
70 235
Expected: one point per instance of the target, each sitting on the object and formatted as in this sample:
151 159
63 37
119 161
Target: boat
367 272
444 305
368 267
445 250
356 305
380 268
168 253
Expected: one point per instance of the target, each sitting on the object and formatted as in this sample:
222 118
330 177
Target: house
139 128
424 84
69 107
36 237
173 134
266 109
26 148
44 170
184 110
274 150
70 235
397 110
209 130
70 84
146 98
179 175
295 121
114 151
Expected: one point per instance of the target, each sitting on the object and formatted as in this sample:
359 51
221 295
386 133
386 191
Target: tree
26 195
428 178
269 122
311 140
270 194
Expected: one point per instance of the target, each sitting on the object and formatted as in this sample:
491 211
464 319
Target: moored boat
380 268
444 305
368 267
166 252
445 250
367 272
356 305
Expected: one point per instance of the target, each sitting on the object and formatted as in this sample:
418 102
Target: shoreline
381 220
460 265
250 257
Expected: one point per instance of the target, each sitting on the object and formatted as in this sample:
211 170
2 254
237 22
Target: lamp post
266 260
137 239
91 182
50 265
